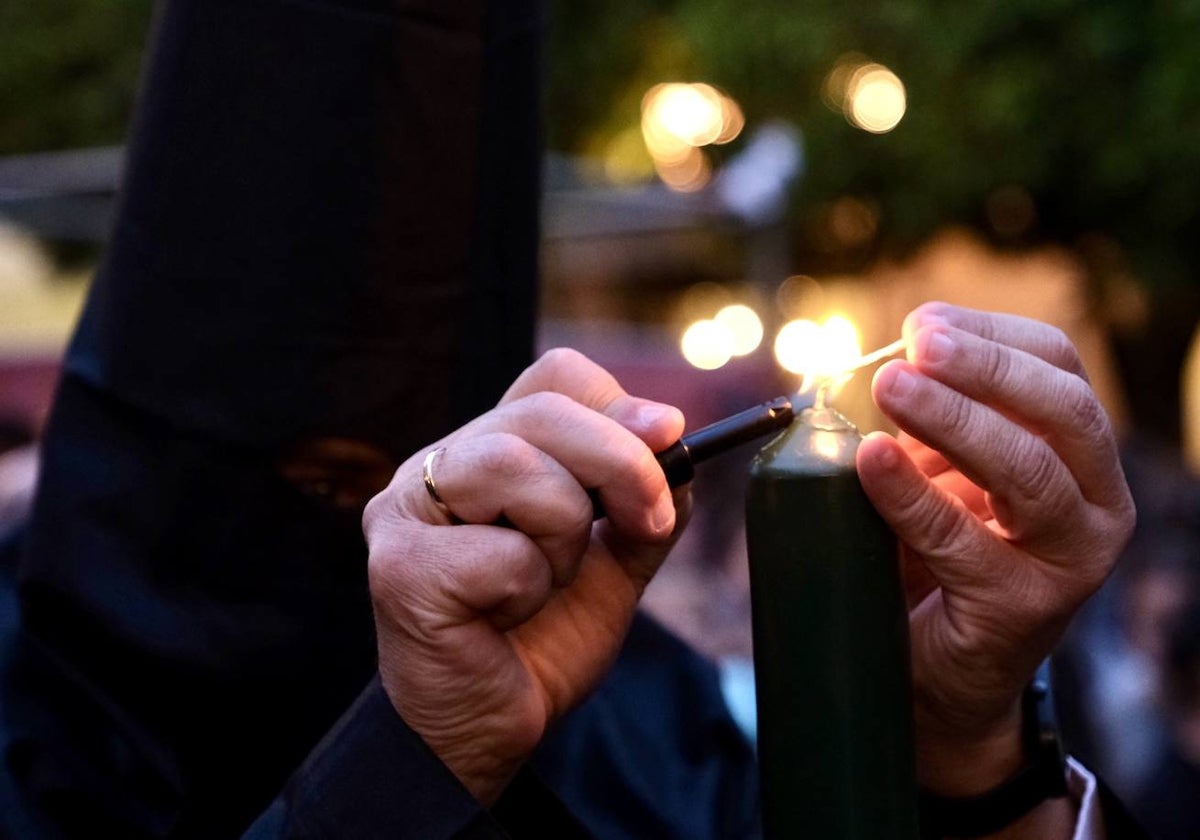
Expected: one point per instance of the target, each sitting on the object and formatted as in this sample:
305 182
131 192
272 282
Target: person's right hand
500 612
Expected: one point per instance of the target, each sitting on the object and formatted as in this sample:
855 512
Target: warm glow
707 345
744 325
679 118
687 175
818 351
828 444
625 158
798 345
875 99
690 113
732 121
833 91
798 296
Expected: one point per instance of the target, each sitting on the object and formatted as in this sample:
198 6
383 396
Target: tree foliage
1088 107
68 71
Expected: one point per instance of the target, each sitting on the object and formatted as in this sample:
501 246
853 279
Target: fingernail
663 517
921 318
902 383
936 346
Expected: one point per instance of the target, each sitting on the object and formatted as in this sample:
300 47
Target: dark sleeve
654 753
1119 823
372 776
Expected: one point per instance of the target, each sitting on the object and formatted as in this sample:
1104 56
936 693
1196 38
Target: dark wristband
1043 776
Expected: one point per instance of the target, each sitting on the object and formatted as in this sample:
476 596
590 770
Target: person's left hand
1007 493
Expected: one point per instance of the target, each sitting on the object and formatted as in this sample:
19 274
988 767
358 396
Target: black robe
328 227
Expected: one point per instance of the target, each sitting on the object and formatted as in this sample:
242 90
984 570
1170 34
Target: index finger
1033 337
1056 405
574 375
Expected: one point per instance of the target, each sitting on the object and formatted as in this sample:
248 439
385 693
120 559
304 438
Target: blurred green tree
1087 109
68 71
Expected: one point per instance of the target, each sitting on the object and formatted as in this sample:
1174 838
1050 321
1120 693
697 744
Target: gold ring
430 484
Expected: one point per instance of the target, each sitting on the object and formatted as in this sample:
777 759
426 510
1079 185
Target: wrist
960 765
1033 794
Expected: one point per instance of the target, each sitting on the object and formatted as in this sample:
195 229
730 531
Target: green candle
830 644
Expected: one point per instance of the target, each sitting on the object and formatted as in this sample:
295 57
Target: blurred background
741 193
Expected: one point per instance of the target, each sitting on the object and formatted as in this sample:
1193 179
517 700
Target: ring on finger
430 484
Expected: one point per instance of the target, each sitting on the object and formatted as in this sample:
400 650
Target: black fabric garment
654 752
329 221
1170 803
373 777
327 228
182 606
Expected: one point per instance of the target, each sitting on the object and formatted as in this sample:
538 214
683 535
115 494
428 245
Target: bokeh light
690 113
852 222
870 95
800 296
686 174
677 119
744 326
707 344
798 345
875 99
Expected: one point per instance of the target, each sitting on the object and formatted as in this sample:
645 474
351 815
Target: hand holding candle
1006 491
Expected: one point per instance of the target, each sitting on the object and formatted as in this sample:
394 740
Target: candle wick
825 384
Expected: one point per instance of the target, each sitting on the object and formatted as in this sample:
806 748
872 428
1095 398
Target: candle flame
832 384
817 351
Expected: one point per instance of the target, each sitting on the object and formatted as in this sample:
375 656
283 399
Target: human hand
1006 492
495 622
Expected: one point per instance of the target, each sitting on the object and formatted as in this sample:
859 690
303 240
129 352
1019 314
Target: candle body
830 644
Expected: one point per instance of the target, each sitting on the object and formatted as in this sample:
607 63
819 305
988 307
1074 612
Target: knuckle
579 513
508 455
1083 411
1033 470
388 571
371 515
1062 351
558 362
957 416
379 516
638 462
1122 519
996 365
948 531
547 406
526 570
938 520
558 356
1127 517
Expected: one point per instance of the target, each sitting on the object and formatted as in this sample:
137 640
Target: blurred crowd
1128 672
